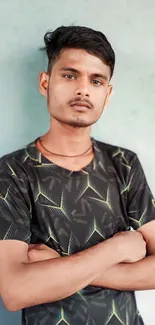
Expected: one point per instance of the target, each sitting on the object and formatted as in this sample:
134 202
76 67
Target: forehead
81 61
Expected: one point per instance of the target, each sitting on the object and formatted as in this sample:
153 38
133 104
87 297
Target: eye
69 76
97 82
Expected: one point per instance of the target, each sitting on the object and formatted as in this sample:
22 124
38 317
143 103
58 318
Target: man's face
77 88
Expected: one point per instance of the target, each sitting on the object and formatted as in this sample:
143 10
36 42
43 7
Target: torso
71 211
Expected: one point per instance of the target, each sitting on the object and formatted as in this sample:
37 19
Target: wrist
118 248
115 246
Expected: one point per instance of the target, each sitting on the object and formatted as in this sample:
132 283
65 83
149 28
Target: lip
83 105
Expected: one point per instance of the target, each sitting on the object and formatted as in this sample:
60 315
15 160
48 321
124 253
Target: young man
78 198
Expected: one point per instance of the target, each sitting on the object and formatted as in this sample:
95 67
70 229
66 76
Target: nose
82 88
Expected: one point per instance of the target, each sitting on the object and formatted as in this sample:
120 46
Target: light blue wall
129 120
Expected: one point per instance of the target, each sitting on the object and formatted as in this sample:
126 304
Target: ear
109 93
43 83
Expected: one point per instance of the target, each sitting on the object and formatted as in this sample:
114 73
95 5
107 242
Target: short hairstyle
78 37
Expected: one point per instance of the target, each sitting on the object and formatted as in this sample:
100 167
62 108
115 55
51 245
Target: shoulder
15 161
117 153
15 156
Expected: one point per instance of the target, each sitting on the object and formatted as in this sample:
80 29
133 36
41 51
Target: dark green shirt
41 202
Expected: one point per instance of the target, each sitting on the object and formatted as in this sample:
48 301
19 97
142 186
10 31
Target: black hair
78 37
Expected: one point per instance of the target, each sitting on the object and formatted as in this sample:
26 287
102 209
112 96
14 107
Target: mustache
81 100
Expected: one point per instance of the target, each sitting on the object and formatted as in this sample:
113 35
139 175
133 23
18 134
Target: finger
32 246
119 233
38 247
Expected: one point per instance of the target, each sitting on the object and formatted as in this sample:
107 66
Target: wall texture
129 120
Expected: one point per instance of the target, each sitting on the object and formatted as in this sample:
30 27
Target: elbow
10 306
10 299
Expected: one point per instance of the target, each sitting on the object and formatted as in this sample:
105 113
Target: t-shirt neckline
38 158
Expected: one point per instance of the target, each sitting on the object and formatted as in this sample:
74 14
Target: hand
41 252
132 245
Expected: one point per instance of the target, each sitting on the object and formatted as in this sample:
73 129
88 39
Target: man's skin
77 79
122 276
82 61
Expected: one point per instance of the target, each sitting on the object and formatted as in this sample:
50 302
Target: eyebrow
94 75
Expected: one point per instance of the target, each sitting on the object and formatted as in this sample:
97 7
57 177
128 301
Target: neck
65 139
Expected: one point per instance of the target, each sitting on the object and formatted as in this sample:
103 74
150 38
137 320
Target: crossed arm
116 275
134 276
127 277
130 277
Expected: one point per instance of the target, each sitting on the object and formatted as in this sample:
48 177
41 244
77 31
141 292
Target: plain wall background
129 120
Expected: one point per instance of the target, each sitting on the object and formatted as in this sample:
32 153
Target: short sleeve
14 203
141 204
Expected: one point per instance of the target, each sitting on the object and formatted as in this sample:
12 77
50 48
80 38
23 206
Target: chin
79 123
76 122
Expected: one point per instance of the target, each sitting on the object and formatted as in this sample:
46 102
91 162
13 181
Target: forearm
129 277
55 279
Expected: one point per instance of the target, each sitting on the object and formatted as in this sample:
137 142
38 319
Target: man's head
80 65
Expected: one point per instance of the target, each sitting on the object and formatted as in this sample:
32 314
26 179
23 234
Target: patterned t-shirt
70 211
